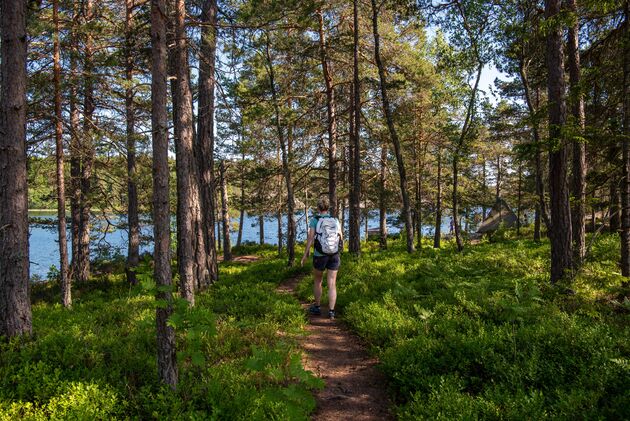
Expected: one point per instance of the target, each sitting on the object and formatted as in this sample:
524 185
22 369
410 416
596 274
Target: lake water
108 240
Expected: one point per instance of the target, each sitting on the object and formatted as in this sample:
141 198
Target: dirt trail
355 389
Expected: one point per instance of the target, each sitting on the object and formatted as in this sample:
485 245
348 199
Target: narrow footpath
355 389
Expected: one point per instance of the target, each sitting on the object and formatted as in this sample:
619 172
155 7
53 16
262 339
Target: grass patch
98 360
482 334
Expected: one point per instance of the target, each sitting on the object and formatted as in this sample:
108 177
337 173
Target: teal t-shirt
313 224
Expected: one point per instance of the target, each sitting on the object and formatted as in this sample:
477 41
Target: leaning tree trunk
578 185
87 149
166 350
285 162
133 253
332 117
406 210
204 145
182 111
437 237
354 164
625 189
561 238
66 284
225 214
15 304
456 155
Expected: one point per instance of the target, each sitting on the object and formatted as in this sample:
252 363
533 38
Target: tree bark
497 194
87 149
406 210
519 199
241 219
613 210
533 110
561 238
437 237
286 169
261 229
332 117
625 189
66 285
225 215
166 356
354 164
382 210
204 146
133 251
578 185
75 150
182 112
456 227
485 188
15 304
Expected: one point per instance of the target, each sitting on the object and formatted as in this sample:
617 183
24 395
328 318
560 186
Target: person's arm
309 243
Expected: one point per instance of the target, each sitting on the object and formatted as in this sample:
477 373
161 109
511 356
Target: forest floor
354 387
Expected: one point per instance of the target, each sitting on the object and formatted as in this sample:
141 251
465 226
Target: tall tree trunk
519 199
533 110
456 227
537 223
15 304
241 219
497 194
615 219
279 221
204 145
354 164
437 237
286 169
344 182
419 154
133 251
75 149
578 185
382 210
87 149
182 112
332 117
561 238
406 210
261 229
625 189
166 356
225 214
66 285
485 190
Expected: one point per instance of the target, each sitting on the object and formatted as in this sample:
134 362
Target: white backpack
327 236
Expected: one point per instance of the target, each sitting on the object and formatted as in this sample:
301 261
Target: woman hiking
324 232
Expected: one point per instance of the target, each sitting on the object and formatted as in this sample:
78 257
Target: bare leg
331 279
317 285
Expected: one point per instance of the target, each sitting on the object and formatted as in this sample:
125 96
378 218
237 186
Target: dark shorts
326 262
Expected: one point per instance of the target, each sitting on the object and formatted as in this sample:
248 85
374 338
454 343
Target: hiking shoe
313 309
331 314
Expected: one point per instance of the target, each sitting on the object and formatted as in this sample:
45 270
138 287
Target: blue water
109 241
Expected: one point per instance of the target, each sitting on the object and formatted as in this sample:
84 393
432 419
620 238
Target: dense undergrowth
482 335
238 353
